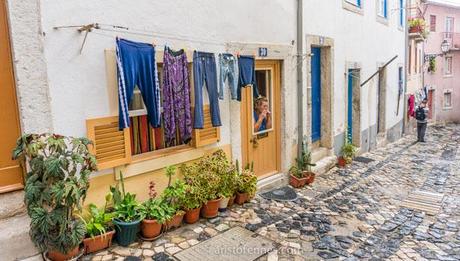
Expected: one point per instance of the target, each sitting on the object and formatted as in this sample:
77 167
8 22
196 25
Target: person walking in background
421 115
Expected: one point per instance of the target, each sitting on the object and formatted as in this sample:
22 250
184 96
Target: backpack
420 114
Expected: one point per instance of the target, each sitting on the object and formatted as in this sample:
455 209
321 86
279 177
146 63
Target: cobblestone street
353 213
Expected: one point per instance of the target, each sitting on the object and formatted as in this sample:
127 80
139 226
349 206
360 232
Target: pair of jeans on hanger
247 75
205 72
228 71
136 66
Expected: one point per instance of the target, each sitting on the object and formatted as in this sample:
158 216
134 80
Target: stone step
274 181
324 165
15 243
318 154
12 204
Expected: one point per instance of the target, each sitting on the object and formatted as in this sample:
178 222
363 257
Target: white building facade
351 63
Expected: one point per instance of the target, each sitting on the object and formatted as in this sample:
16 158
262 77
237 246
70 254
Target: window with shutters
448 66
432 23
140 141
382 8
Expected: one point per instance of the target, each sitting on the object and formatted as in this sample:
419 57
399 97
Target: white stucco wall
360 38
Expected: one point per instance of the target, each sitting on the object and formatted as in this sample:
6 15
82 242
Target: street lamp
445 46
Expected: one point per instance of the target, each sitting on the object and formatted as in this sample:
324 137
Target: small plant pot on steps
126 232
297 182
310 177
94 244
58 256
192 215
341 162
231 201
210 209
150 228
241 198
223 204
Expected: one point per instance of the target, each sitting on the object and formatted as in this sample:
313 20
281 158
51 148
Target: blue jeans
136 65
247 75
205 72
228 70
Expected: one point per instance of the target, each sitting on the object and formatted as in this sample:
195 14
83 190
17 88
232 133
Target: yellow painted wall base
139 184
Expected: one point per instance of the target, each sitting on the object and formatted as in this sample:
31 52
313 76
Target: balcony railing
453 39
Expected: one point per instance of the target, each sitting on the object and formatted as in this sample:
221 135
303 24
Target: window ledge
447 108
156 160
352 8
382 20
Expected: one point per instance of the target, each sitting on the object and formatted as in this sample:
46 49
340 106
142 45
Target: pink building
442 69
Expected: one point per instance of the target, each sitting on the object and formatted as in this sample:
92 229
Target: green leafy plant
99 221
195 196
296 172
348 151
55 188
126 207
246 179
432 64
156 209
417 22
304 162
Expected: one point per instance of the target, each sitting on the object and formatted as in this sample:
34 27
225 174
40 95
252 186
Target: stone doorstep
274 181
15 242
12 204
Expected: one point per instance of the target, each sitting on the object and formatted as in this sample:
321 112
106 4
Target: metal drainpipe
300 107
406 50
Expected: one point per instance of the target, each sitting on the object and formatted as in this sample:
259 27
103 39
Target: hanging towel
136 66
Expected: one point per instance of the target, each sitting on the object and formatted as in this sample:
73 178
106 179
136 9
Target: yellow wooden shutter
112 147
207 135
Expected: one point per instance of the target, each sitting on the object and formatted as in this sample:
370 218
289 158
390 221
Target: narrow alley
353 213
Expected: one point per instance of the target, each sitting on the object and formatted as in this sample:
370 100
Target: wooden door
262 146
430 104
10 170
316 94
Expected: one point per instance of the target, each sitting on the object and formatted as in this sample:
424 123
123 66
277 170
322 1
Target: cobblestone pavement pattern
348 214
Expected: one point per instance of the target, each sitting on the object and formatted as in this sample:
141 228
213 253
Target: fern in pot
55 189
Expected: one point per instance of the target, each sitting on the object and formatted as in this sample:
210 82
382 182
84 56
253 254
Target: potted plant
432 64
99 229
194 196
416 25
297 179
173 196
348 153
210 184
127 214
305 165
227 178
154 215
55 187
247 184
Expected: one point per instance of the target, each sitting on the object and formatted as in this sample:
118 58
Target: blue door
350 106
315 94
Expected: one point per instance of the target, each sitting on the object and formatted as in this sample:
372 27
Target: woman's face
262 106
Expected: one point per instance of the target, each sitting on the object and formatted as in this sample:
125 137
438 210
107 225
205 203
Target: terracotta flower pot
231 201
297 182
175 221
58 256
93 244
341 162
241 198
150 228
210 209
223 204
192 215
310 177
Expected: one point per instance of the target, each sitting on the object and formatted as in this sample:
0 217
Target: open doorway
381 101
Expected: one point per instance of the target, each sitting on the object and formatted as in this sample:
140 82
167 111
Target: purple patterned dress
176 97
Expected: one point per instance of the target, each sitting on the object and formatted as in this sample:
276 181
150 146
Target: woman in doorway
262 116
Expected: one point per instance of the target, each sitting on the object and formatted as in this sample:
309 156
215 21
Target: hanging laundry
411 106
205 71
176 97
228 70
247 75
136 66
